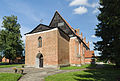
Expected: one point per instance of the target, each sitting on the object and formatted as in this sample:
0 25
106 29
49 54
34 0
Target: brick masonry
56 50
48 49
60 45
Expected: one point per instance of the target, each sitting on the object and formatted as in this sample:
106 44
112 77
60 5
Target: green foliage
10 38
9 76
108 29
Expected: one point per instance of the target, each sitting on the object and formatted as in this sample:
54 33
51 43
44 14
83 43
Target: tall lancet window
40 42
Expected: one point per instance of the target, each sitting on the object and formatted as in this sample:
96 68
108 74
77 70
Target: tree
10 38
0 57
108 29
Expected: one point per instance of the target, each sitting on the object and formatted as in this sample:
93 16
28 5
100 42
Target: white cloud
93 36
78 2
80 10
85 4
95 11
90 42
93 5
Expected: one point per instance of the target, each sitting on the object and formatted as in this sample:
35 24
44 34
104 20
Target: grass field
9 76
11 65
107 73
74 67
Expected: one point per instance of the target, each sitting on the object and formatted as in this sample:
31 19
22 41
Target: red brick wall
56 50
63 51
49 48
82 53
73 51
88 60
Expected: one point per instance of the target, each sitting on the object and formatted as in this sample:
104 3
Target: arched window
40 42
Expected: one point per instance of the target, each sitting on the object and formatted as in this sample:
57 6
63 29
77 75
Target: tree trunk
9 61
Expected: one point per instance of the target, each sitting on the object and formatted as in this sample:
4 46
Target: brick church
56 45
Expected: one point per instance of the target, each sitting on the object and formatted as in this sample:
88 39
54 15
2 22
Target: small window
61 24
39 42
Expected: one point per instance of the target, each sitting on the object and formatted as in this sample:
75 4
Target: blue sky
78 13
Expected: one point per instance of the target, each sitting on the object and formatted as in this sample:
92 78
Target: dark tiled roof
66 28
39 28
57 18
42 27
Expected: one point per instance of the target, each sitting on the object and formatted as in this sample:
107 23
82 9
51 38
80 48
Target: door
41 61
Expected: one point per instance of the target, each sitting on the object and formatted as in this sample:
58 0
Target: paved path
37 74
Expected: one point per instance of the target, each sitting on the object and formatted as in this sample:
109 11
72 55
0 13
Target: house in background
17 60
20 59
5 60
55 45
89 57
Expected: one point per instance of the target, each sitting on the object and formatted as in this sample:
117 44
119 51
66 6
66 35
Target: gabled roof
62 19
66 28
39 28
57 18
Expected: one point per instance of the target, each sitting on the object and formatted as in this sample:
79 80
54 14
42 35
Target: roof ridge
67 23
65 20
70 28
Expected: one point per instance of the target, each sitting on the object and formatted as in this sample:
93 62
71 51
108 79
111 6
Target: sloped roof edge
69 28
37 27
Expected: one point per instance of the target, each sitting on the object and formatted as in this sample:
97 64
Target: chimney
84 39
78 31
88 44
81 35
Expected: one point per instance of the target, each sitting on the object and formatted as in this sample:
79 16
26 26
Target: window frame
39 42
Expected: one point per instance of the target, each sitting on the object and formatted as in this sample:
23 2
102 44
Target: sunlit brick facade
60 45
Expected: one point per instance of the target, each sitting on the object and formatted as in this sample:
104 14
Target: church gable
40 28
66 31
59 22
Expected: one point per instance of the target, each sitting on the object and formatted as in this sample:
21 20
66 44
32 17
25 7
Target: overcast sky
78 13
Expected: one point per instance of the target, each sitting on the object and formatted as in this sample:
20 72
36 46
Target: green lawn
9 76
74 67
11 65
103 74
